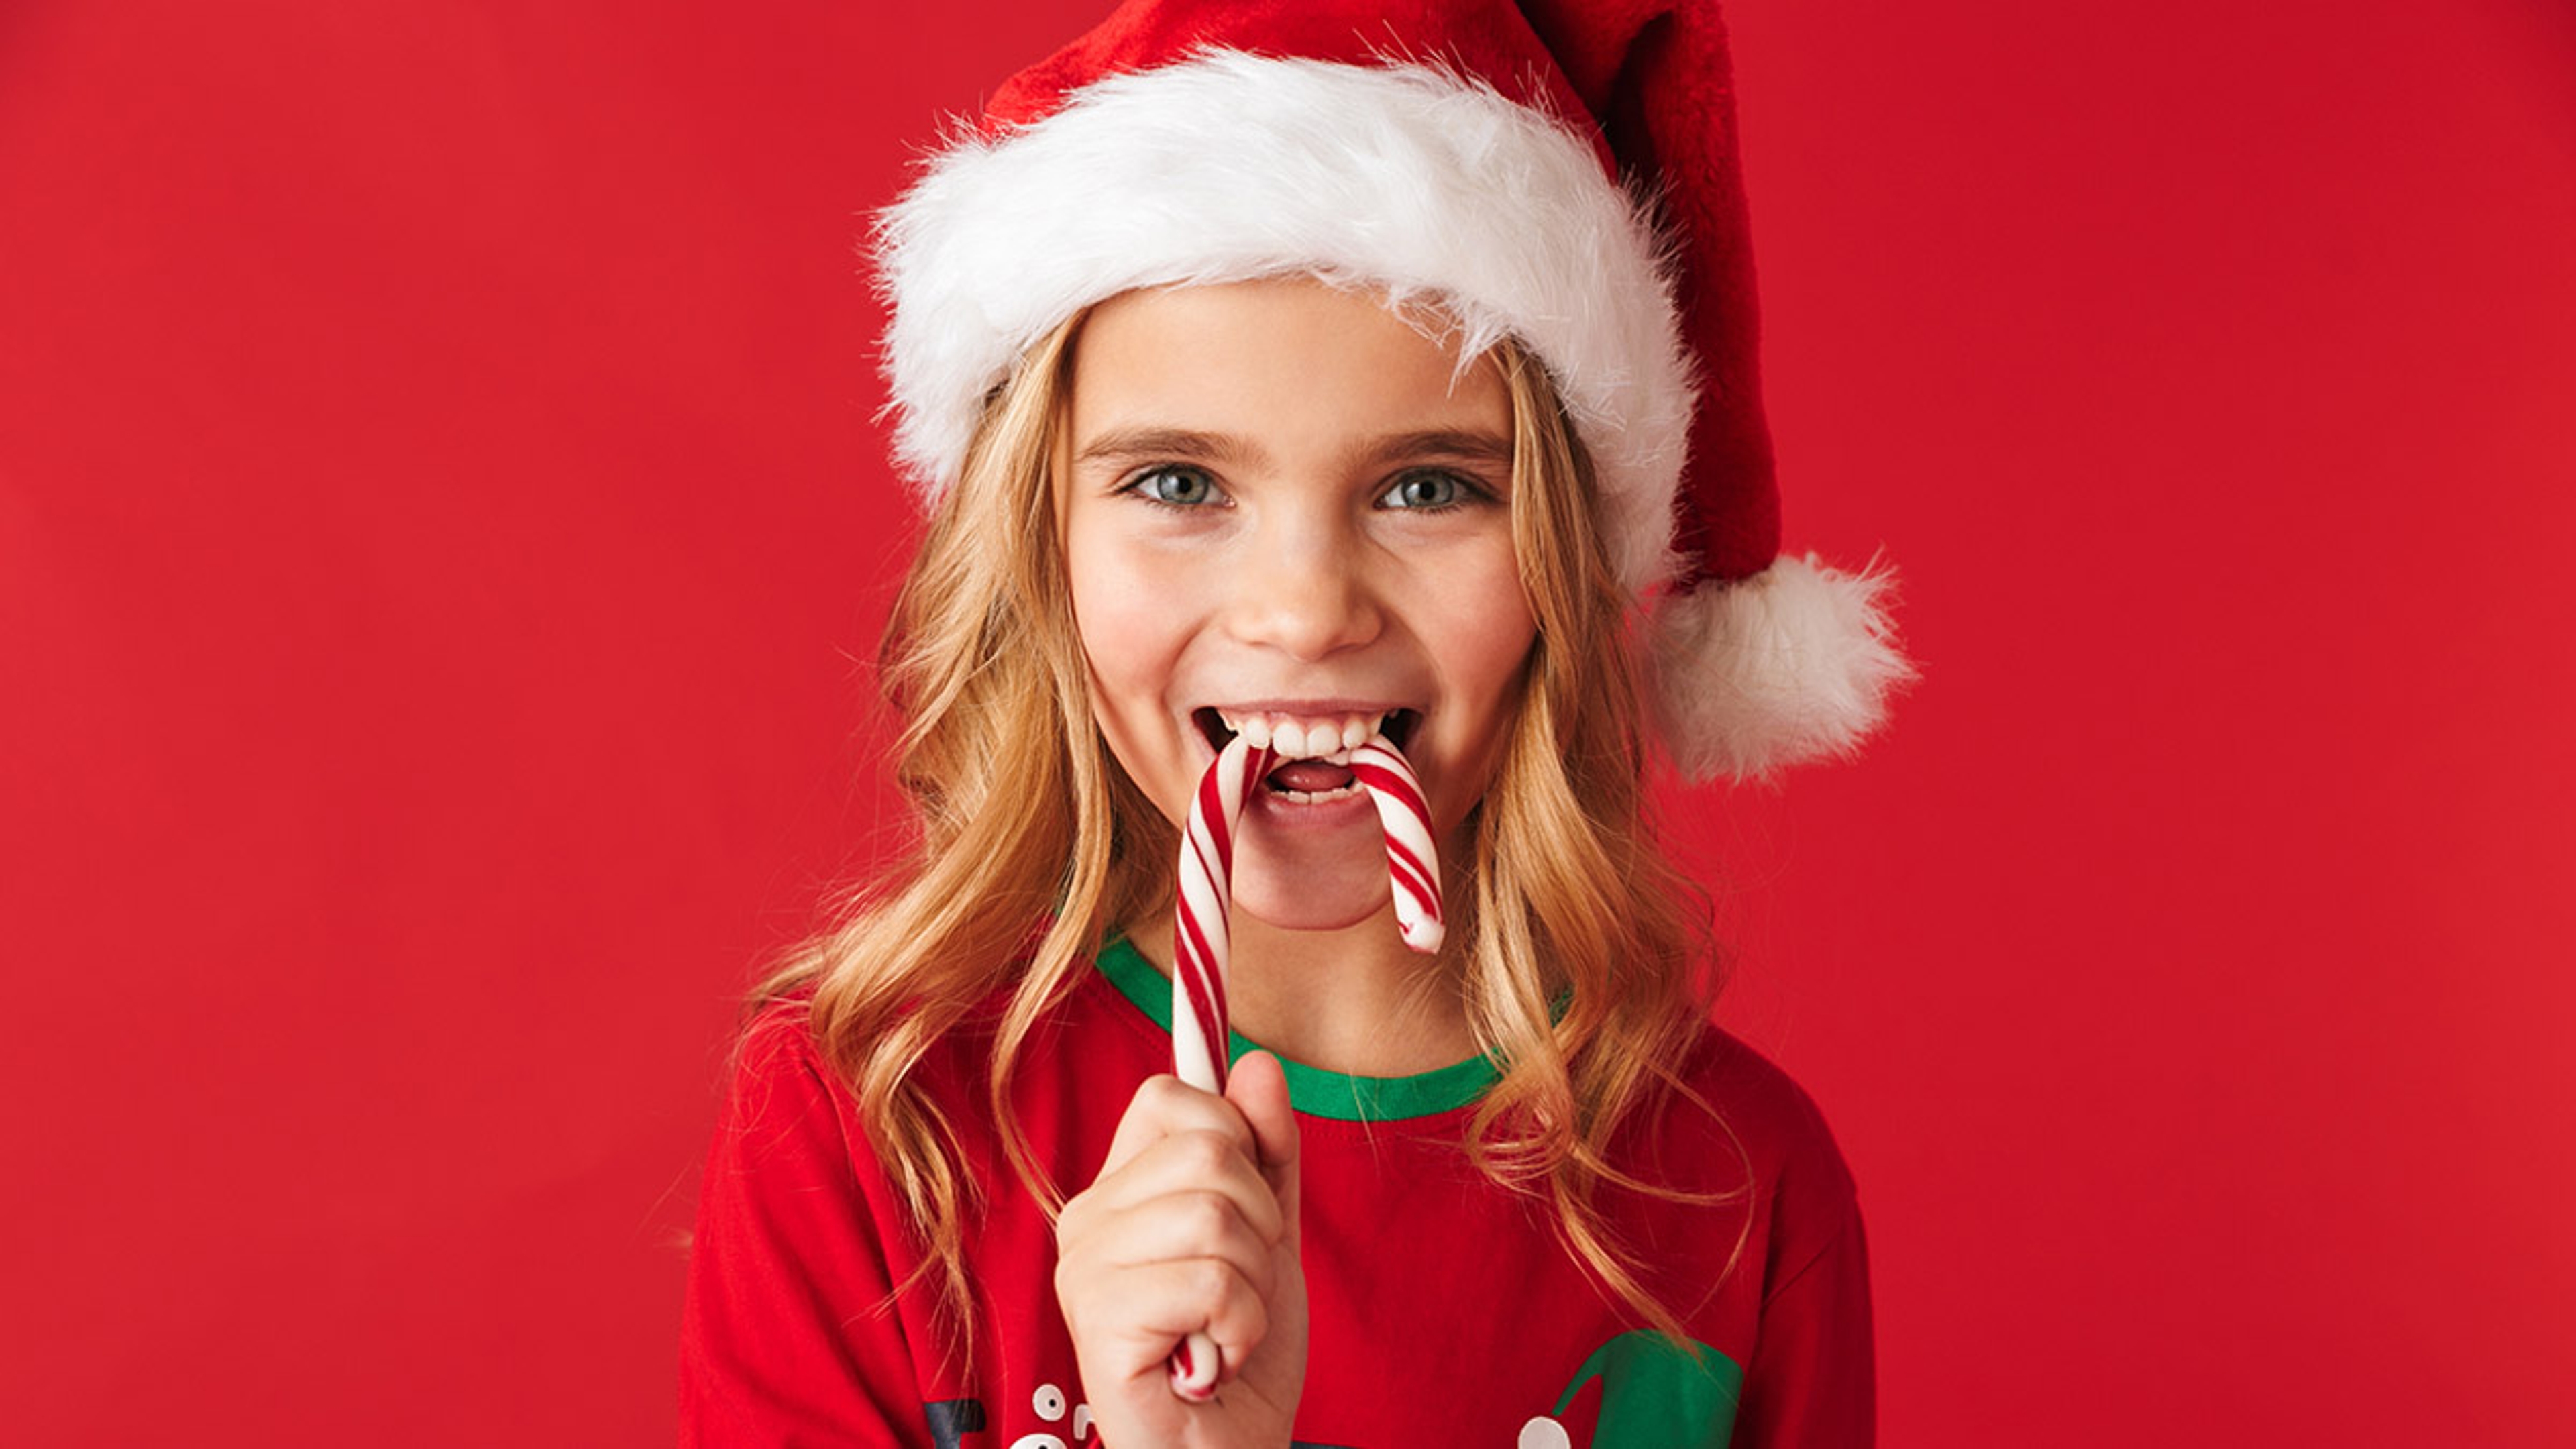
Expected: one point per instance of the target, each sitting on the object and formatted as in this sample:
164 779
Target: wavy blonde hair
1577 942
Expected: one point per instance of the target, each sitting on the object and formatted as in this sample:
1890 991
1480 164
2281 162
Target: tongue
1311 777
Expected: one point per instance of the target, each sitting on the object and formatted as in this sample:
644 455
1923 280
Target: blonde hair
1575 938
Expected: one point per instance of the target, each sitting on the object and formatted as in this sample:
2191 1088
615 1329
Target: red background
440 513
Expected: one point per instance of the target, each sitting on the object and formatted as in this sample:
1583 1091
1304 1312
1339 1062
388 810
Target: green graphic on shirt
1655 1394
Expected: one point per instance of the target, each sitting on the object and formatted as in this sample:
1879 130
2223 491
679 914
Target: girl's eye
1179 487
1433 491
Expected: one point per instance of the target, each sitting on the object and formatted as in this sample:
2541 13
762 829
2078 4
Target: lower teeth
1308 797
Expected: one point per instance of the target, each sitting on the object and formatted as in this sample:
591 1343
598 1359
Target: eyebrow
1128 445
1473 447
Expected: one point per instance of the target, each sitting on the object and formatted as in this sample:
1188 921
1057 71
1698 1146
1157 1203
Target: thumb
1259 1090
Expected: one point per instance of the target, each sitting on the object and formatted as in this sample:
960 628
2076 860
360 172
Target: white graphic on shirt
1050 1404
1545 1433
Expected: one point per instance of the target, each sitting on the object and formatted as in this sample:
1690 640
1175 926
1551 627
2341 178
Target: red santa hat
1563 172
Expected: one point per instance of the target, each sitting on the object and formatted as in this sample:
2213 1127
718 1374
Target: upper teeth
1329 738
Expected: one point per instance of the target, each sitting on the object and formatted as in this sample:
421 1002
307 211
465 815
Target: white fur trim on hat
1230 166
1794 663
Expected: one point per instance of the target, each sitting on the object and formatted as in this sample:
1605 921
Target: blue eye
1432 491
1176 486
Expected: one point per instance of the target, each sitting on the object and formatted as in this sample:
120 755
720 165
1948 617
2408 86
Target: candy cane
1200 940
1202 944
1412 866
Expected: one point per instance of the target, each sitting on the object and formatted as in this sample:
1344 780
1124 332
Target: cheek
1124 622
1483 638
1488 634
1132 636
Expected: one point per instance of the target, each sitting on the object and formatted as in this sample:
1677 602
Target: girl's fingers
1160 1304
1191 1162
1190 1230
1177 1139
1258 1089
1184 1231
1179 1227
1165 1106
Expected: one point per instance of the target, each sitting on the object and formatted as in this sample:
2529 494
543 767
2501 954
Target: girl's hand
1191 1228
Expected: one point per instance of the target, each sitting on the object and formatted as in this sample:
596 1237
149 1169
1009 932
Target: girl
1260 385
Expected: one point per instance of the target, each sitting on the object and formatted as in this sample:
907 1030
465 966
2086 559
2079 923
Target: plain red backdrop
440 519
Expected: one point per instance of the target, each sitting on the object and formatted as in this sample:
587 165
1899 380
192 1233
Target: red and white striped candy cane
1412 865
1202 944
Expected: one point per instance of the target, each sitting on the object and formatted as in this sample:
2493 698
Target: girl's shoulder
1089 1035
778 1080
1732 1072
1738 1122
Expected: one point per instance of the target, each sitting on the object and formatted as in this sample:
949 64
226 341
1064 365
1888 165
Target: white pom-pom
1795 663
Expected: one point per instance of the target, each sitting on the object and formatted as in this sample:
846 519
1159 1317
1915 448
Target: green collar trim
1311 1090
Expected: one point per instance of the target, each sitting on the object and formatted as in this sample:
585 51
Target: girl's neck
1354 1001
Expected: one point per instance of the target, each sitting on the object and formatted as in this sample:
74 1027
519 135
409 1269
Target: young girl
1269 392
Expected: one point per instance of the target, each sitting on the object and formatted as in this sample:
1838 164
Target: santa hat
1559 171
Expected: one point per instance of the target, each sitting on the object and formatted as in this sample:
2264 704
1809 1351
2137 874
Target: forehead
1294 359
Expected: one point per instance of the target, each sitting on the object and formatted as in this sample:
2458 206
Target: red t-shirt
1443 1309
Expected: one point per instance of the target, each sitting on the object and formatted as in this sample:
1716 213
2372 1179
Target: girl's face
1282 503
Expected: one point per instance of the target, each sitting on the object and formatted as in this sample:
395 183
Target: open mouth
1314 764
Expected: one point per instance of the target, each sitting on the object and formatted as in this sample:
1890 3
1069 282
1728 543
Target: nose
1302 586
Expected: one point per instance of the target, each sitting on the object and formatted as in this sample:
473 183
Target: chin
1333 895
1305 916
